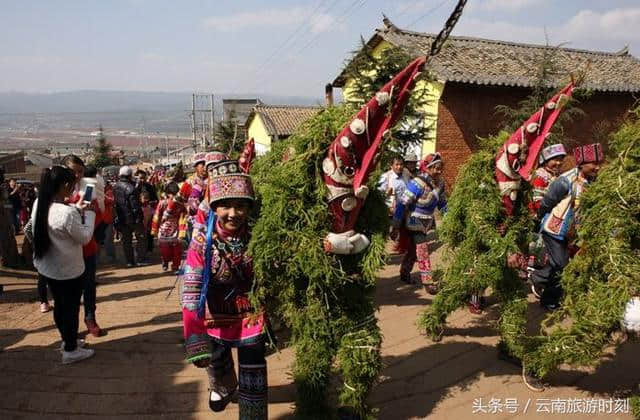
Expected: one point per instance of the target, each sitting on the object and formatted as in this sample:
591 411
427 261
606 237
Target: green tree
548 76
228 136
101 151
370 74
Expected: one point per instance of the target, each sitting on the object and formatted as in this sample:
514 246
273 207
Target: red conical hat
519 155
353 154
246 158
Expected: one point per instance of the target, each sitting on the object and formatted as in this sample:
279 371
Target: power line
428 12
346 14
259 72
405 10
302 25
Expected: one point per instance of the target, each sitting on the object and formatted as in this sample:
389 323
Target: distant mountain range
103 101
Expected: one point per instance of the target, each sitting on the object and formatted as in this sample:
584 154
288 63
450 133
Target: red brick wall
467 111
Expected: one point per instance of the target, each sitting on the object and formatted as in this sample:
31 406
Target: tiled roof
490 62
283 120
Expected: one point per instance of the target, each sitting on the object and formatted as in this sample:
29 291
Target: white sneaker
76 355
79 342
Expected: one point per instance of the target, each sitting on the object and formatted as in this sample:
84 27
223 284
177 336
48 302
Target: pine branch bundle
635 406
368 73
326 300
601 278
477 253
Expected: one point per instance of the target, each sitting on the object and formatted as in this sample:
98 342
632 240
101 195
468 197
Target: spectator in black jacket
129 217
144 185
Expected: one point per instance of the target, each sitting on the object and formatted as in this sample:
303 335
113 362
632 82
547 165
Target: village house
267 124
237 111
472 76
12 162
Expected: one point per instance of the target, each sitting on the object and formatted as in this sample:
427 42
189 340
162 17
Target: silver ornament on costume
345 142
357 126
382 98
349 203
532 127
513 148
328 166
551 105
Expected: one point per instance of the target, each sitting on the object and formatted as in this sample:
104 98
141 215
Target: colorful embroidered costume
559 214
217 315
211 159
542 178
415 208
198 185
519 154
170 226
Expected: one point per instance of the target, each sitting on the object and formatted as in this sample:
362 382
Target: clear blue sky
233 46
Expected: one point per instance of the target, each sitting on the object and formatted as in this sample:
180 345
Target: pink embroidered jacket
229 319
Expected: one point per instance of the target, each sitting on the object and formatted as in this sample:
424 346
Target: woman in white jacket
59 232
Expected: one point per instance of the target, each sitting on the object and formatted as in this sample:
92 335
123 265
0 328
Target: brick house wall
466 111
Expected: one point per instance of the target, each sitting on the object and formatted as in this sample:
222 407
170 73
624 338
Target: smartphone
88 193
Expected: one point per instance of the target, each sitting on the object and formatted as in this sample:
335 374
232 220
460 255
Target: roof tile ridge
402 31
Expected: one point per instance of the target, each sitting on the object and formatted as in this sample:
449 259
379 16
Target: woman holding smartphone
60 230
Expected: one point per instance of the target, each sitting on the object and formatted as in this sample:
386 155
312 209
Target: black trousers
66 309
89 293
127 241
549 275
42 289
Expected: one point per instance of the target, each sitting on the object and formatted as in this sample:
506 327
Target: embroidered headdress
198 158
589 153
226 180
214 157
551 152
430 160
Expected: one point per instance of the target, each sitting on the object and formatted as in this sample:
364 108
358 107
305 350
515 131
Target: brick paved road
138 371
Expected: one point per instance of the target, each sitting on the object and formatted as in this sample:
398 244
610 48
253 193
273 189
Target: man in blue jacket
559 212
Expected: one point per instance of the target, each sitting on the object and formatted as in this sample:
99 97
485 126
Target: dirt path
139 372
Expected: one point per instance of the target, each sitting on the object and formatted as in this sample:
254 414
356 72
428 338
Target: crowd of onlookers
65 232
21 196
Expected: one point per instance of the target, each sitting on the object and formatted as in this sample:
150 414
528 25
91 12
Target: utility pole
212 126
194 128
202 126
204 134
166 139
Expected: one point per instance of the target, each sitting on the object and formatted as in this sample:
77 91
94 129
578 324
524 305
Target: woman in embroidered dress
216 279
423 195
551 160
169 224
